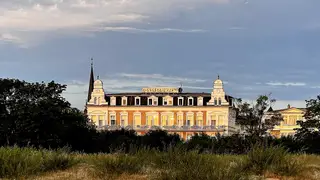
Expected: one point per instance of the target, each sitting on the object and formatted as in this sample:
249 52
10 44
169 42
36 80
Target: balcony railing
168 128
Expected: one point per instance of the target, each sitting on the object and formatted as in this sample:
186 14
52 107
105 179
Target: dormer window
219 102
152 101
215 101
200 101
167 100
124 101
190 101
137 101
180 101
113 101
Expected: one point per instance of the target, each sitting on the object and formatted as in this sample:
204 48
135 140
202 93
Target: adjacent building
167 108
290 117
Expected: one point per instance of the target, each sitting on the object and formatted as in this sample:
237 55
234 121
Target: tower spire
91 81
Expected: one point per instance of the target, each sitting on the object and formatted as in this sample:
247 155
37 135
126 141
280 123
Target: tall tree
255 119
309 133
36 114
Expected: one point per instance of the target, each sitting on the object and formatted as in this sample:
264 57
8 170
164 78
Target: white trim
192 101
133 121
168 114
197 115
181 99
167 99
126 101
115 117
153 114
180 114
200 101
135 101
191 120
125 120
113 100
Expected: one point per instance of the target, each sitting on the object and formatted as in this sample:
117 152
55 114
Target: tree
255 119
309 133
36 114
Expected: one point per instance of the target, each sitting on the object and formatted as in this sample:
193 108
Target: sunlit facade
166 108
290 117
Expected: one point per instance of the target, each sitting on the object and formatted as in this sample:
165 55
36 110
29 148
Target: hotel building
166 108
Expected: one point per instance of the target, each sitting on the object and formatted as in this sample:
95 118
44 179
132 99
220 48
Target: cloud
237 28
162 77
285 84
9 38
137 30
21 17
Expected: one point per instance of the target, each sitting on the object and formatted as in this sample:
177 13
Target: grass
19 162
259 163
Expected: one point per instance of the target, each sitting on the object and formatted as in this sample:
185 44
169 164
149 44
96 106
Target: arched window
219 101
95 100
215 101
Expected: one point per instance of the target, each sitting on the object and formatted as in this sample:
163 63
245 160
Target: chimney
289 106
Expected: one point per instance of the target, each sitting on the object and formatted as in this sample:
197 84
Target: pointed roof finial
218 76
91 62
98 77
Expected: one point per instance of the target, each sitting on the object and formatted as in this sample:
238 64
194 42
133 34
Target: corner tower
218 95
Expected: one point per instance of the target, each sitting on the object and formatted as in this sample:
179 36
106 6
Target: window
124 119
190 101
113 120
213 123
188 122
165 101
150 102
100 123
180 101
200 101
113 101
137 120
95 100
219 101
137 101
180 120
199 119
215 101
124 101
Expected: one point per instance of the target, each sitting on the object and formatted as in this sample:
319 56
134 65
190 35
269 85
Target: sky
256 46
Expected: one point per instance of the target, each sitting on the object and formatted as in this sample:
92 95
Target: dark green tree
255 119
309 133
36 114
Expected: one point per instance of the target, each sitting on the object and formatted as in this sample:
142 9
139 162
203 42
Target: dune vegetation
259 163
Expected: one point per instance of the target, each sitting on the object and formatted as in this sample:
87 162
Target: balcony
173 128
